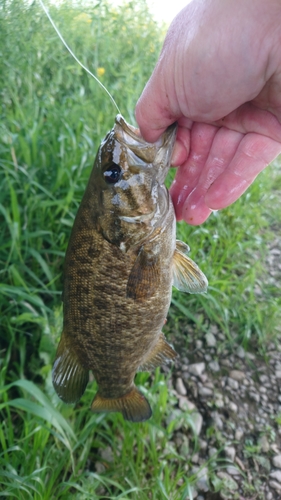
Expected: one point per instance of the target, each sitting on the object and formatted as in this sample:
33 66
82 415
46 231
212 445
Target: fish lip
138 219
167 136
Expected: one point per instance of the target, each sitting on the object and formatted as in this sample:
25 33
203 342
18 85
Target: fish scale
121 262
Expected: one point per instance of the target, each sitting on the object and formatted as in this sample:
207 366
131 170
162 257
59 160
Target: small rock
269 496
275 485
240 352
230 452
233 471
218 422
276 475
185 404
210 340
197 369
264 444
255 396
202 483
239 433
205 391
233 384
202 444
237 375
197 420
195 458
277 461
180 387
100 468
233 407
199 344
231 484
214 329
278 374
107 454
214 366
212 451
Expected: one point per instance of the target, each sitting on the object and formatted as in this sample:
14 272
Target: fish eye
112 174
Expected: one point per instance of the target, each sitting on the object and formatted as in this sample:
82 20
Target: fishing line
74 56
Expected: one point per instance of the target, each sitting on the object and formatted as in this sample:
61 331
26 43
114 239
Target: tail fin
133 406
69 377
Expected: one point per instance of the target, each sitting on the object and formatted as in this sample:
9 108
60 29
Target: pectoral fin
144 276
161 353
69 377
133 406
187 277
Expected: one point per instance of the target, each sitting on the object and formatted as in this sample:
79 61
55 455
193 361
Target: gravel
234 400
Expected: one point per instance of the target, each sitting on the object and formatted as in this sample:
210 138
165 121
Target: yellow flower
100 71
83 17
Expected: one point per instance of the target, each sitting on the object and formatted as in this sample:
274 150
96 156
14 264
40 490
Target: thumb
153 112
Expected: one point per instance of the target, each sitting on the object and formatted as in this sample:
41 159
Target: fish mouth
158 153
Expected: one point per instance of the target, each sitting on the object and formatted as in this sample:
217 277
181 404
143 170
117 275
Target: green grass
53 116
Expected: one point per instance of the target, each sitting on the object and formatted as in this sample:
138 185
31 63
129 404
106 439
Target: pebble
233 471
237 375
210 340
100 468
214 366
255 396
275 485
239 433
203 445
107 454
218 421
185 404
205 391
232 485
264 444
197 420
240 352
276 475
197 369
212 451
233 384
233 407
180 387
230 452
202 483
277 461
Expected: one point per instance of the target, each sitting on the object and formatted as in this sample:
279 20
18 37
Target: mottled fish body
121 262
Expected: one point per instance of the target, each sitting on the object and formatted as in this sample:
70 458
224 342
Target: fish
121 262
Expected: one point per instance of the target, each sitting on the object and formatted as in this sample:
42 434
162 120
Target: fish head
129 180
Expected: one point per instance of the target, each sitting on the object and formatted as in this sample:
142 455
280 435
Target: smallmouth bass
120 265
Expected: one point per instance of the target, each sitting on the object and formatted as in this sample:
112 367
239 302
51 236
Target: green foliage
53 116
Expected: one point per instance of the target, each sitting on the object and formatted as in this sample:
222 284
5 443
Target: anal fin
69 377
133 406
160 354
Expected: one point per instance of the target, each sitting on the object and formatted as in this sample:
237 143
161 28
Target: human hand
219 76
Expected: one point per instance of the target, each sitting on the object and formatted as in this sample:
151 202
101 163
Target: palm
223 86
